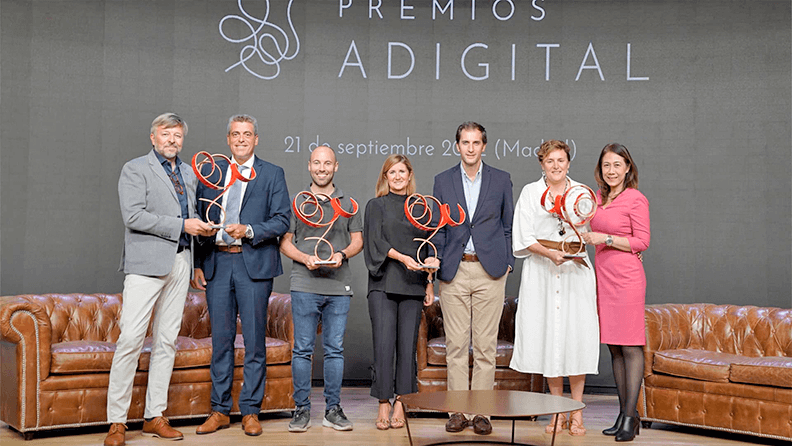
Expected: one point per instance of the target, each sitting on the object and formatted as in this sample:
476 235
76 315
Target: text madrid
471 61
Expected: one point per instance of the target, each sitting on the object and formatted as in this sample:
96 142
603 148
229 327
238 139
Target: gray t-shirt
323 280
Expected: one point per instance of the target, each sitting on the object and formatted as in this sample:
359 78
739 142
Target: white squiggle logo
256 46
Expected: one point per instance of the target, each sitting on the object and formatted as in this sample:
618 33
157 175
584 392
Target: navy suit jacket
265 207
491 226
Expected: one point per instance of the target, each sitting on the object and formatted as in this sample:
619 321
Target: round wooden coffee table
509 404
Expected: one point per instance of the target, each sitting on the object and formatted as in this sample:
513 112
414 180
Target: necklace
561 230
612 196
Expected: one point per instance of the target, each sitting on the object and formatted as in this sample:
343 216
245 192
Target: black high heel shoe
616 426
629 429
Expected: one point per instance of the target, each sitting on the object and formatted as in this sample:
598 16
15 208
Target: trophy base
575 256
325 262
218 226
428 266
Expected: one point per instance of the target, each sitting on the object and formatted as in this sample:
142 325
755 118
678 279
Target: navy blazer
491 226
265 207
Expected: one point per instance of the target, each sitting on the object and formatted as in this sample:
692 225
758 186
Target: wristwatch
609 240
343 255
249 232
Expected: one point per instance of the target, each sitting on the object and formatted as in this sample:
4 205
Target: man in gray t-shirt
321 286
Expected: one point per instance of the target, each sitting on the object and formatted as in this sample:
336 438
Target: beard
168 152
322 182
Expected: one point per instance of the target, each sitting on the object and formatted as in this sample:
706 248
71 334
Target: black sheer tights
628 367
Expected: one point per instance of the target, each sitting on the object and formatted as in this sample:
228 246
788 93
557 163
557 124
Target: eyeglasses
176 183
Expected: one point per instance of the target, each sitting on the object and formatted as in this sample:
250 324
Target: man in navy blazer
476 258
237 267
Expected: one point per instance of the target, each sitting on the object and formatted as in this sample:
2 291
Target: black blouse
385 226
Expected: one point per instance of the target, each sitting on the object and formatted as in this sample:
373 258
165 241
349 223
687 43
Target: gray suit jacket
152 215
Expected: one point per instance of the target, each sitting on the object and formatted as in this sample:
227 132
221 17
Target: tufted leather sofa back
94 317
77 317
740 330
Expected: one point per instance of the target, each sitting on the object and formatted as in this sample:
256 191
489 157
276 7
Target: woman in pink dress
620 230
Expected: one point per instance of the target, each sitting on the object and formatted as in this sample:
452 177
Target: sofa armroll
26 323
279 318
423 338
25 341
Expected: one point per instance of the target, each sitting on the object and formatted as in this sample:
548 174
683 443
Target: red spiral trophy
424 219
576 206
314 218
209 159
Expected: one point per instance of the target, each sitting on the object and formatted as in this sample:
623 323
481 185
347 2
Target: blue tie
232 205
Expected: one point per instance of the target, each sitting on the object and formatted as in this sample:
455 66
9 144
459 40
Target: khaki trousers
472 305
145 297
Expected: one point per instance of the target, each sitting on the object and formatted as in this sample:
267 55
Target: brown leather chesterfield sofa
721 367
56 351
432 350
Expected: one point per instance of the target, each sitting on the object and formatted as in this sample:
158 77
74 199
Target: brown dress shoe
481 425
457 423
215 421
115 437
160 427
251 425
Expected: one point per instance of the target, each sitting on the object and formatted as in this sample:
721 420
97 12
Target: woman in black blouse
397 288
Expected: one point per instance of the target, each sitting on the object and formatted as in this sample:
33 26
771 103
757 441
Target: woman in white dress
556 327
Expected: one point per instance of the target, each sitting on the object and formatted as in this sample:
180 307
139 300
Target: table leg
406 420
513 421
555 428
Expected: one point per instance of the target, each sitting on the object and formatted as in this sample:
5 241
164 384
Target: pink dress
621 282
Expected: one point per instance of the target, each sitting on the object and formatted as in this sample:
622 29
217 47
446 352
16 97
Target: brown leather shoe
251 425
160 427
481 425
116 437
457 423
215 421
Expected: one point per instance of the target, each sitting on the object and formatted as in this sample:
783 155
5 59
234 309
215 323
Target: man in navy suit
476 258
237 266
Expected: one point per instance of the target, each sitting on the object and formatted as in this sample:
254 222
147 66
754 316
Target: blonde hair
168 120
382 187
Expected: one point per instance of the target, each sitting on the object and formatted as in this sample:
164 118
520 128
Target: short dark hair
470 125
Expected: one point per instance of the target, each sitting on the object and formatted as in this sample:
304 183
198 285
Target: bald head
322 166
323 151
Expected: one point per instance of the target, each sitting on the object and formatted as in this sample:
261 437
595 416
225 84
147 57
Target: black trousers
395 319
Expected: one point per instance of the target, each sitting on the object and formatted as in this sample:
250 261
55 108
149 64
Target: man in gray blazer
157 197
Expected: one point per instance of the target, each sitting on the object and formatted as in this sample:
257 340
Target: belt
233 249
470 258
571 248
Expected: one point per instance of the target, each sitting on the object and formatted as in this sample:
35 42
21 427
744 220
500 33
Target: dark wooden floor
362 410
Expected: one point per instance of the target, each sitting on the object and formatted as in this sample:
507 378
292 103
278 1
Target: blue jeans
307 310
